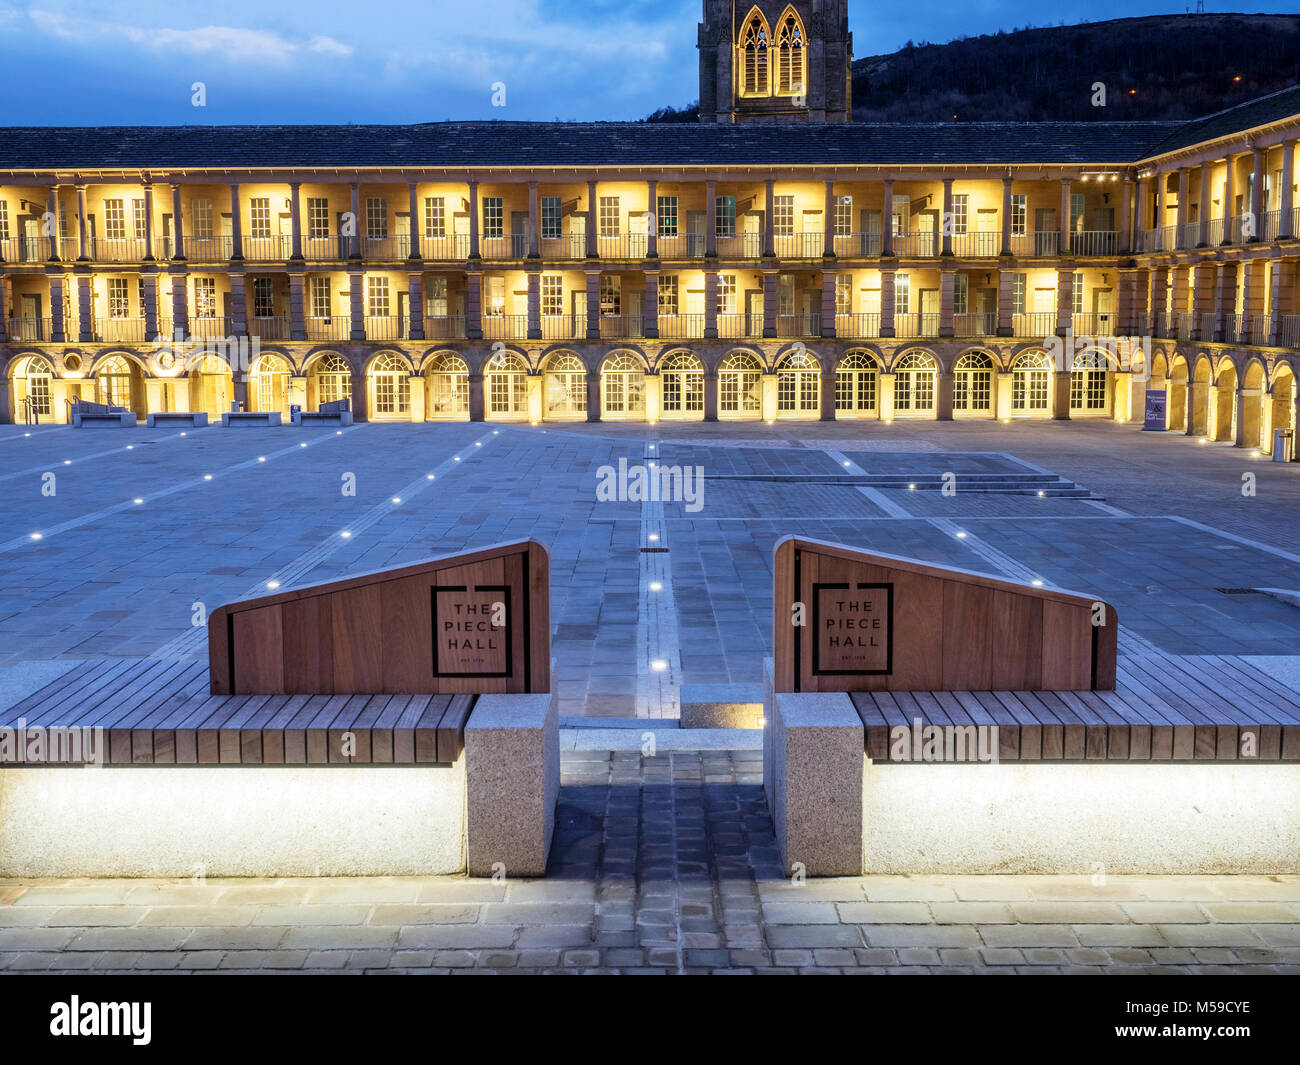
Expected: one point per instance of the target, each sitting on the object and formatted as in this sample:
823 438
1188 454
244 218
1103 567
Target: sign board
473 623
1156 418
848 620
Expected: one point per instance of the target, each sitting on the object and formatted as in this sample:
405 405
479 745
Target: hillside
1158 67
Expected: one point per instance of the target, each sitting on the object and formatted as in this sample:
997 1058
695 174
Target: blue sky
263 61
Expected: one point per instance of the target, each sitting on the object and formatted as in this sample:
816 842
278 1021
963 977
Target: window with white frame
435 297
4 219
321 302
318 217
667 216
725 224
205 297
201 216
263 297
843 216
668 294
726 293
119 297
960 293
114 220
843 293
960 214
259 216
139 221
1076 292
63 219
902 294
493 216
1019 214
376 217
1076 211
608 217
783 216
435 216
377 297
1018 289
552 295
552 218
610 294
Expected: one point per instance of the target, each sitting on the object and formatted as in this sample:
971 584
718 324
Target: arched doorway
798 386
1090 385
329 379
448 376
505 380
269 387
740 386
1200 398
915 375
390 388
972 385
33 390
681 377
1282 396
564 386
1225 403
857 392
1251 406
1177 387
211 387
1031 384
622 387
118 383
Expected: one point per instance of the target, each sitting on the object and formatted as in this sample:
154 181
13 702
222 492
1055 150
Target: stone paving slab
664 864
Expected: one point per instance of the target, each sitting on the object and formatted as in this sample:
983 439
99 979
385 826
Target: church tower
775 61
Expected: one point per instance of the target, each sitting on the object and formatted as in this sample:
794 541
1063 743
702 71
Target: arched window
740 385
33 389
448 386
333 379
914 383
113 382
622 385
798 384
270 389
506 377
855 385
972 384
566 386
390 385
1090 383
789 55
681 375
754 42
1031 380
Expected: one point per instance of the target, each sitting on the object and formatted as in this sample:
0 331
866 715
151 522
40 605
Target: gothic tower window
754 42
790 55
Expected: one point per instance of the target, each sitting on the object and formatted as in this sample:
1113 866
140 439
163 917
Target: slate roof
494 145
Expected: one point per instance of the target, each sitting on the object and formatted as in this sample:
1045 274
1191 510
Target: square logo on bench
472 631
853 629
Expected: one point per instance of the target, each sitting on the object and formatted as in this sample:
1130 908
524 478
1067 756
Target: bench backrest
474 623
336 406
848 620
86 406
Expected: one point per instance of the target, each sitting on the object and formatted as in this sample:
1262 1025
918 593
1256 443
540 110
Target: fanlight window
799 360
622 363
333 379
566 385
741 360
507 384
855 384
682 360
1031 382
973 382
623 384
392 385
681 378
448 386
565 363
754 57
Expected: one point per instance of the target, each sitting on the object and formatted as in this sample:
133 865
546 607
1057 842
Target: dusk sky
134 61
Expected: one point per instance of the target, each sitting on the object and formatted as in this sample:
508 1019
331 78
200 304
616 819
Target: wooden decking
1163 709
161 713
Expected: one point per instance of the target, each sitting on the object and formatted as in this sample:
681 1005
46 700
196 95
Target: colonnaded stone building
775 261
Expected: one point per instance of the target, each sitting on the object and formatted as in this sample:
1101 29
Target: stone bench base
196 418
117 420
314 417
250 418
839 813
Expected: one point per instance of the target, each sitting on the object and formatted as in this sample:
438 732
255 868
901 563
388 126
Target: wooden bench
86 413
336 412
250 417
196 418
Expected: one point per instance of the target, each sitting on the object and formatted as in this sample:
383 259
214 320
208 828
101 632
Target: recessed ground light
478 443
261 458
496 432
911 488
1037 584
207 476
184 434
137 502
655 586
652 447
27 434
428 477
847 462
130 447
67 462
273 584
339 433
1041 494
961 536
346 535
653 537
36 536
302 445
658 665
397 499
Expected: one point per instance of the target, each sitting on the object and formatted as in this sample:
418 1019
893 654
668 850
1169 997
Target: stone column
534 216
238 303
947 286
1158 211
180 301
297 324
1127 309
1064 299
178 225
887 301
710 220
415 305
413 199
1126 216
360 394
1283 297
85 313
828 304
711 303
769 304
1180 212
593 304
56 309
477 407
650 322
474 305
1061 394
652 199
1006 282
148 222
943 397
1225 300
1257 199
710 395
1203 211
81 225
534 304
828 223
885 401
354 207
5 301
948 220
1203 301
52 209
1003 392
593 395
236 225
887 226
769 221
150 281
1252 298
1006 216
828 392
1286 226
295 221
357 306
419 395
1229 198
593 248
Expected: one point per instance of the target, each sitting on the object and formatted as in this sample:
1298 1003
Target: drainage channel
658 668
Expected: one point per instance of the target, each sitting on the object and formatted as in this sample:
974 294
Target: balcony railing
1261 328
388 327
1034 324
975 324
269 327
1214 231
681 326
104 250
1089 242
202 328
30 329
263 249
975 245
444 327
741 246
1039 242
625 246
335 327
1232 326
386 248
858 245
682 246
619 326
1189 235
209 249
327 247
1185 325
1150 240
1209 325
505 326
916 325
1288 331
121 331
1270 225
571 246
799 245
564 326
917 245
449 247
857 326
799 325
27 249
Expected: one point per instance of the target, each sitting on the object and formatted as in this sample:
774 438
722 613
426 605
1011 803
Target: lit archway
33 390
915 377
1031 384
448 376
329 380
564 383
622 387
740 386
505 382
1282 397
1090 392
1251 406
269 385
1225 404
857 392
211 387
681 377
118 383
390 388
972 384
1177 387
798 386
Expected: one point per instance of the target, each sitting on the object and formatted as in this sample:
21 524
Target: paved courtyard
116 542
